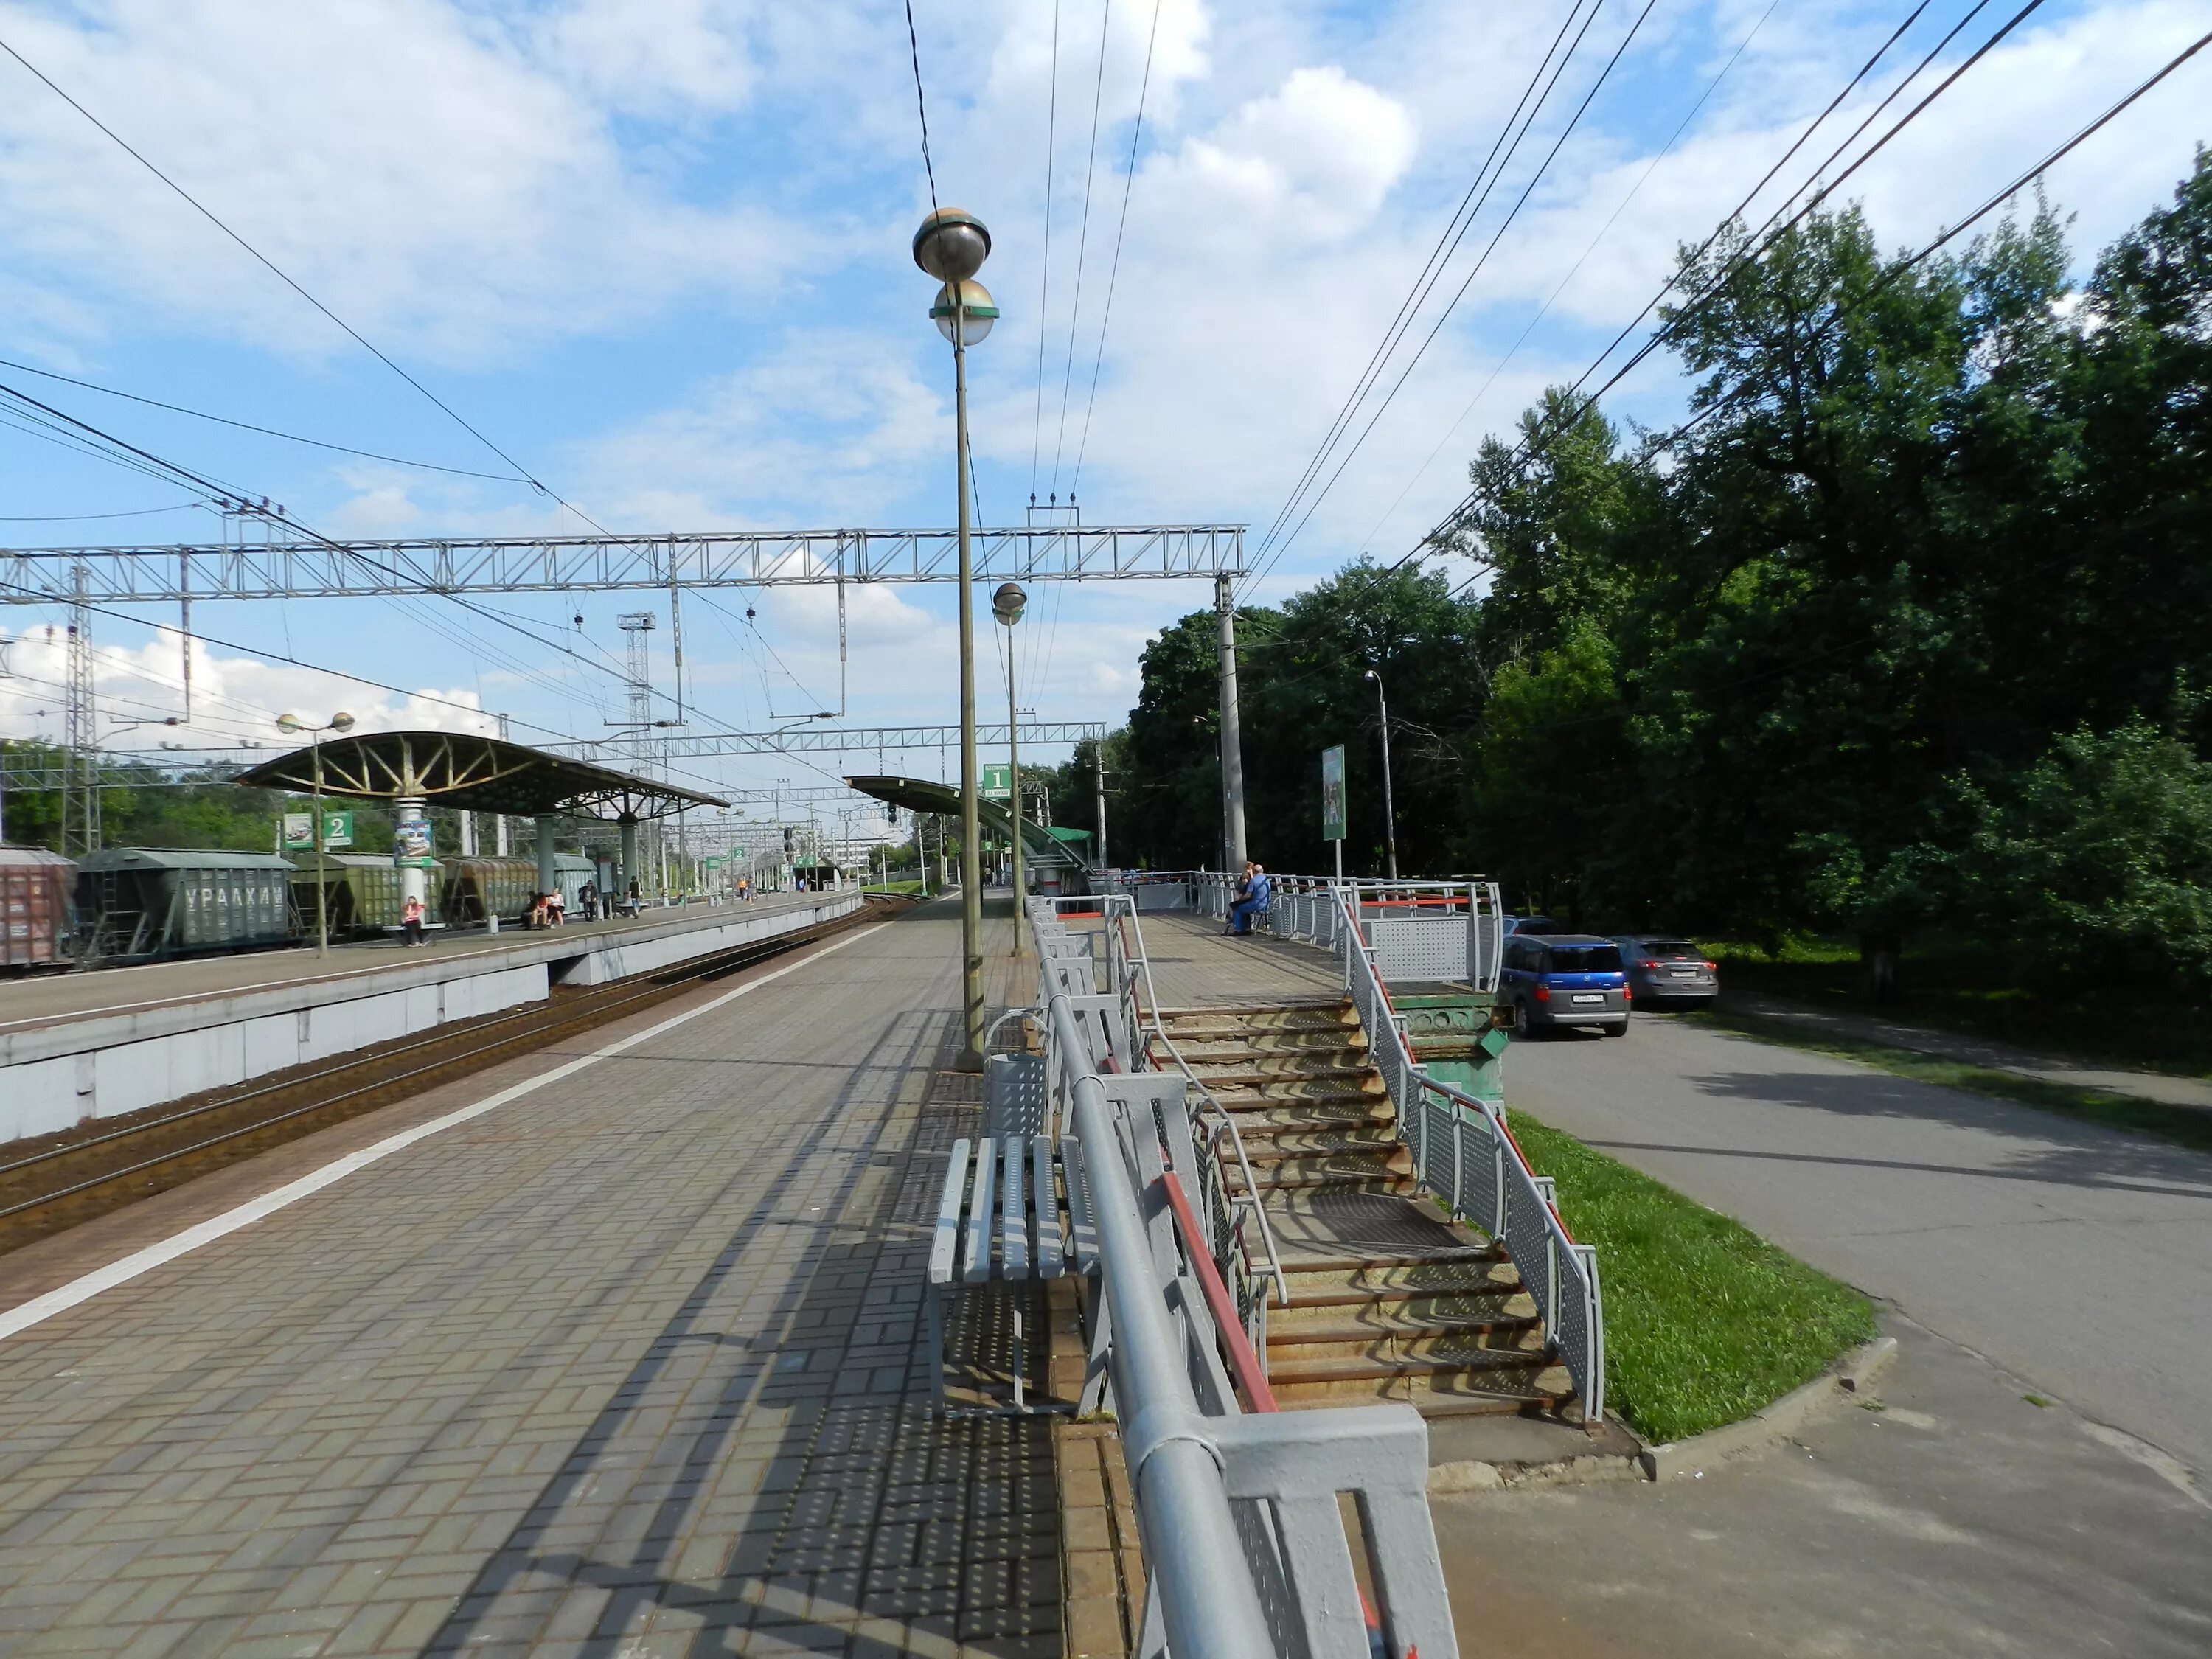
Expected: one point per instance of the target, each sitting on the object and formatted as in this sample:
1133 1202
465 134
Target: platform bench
998 1217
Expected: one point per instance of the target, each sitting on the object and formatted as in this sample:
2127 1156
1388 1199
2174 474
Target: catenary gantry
538 564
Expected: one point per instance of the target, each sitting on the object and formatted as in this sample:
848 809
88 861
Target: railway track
87 1172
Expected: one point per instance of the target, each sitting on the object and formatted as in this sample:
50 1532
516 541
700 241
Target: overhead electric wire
1604 230
87 518
265 431
1044 278
1448 240
523 472
131 454
1803 138
1936 243
1481 260
1114 269
1769 235
921 104
1421 547
1082 240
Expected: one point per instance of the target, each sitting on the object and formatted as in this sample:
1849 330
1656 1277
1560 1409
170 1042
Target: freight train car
37 909
139 903
362 891
476 888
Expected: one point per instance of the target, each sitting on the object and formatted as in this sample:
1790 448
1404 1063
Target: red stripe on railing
1243 1363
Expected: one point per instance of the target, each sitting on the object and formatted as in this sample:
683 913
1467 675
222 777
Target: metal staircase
1388 1300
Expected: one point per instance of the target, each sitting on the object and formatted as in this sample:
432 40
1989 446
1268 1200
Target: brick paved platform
628 1365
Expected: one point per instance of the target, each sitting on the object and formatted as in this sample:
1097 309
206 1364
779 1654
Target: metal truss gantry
550 564
847 740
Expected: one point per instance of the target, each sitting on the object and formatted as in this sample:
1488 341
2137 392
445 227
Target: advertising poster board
410 841
1332 793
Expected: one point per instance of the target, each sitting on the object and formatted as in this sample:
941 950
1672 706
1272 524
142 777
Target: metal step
1494 1381
1508 1322
1269 1143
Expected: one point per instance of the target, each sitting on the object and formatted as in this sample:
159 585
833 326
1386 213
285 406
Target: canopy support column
547 823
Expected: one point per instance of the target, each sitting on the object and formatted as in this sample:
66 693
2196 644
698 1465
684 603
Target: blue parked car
1551 980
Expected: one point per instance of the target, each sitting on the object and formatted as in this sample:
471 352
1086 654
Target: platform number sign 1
1332 800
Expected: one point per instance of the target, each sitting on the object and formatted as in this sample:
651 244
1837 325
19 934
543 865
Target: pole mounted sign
1332 800
998 782
300 831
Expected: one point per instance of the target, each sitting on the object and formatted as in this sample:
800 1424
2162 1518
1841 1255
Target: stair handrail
1246 1553
1222 1120
1566 1273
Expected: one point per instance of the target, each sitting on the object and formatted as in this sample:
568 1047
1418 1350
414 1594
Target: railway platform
609 1349
78 1047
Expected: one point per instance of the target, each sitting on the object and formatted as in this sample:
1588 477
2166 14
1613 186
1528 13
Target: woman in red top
411 922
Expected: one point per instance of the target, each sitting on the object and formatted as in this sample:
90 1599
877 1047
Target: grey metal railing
1419 930
1245 1548
1464 1153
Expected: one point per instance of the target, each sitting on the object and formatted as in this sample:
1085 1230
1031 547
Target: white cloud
138 688
429 175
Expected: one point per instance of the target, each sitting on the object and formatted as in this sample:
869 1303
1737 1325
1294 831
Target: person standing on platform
588 900
411 922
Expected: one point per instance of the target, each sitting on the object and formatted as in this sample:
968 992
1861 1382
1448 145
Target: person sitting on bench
1253 899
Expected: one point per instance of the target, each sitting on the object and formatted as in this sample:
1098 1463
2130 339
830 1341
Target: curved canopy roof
475 774
1040 845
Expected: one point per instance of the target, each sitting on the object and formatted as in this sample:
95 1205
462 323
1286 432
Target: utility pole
1232 745
1098 778
637 628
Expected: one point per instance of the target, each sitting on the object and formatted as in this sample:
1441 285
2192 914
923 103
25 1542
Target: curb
1853 1375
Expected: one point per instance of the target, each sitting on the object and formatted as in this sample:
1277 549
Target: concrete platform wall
61 1075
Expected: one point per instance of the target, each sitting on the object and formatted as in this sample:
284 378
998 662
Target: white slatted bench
998 1217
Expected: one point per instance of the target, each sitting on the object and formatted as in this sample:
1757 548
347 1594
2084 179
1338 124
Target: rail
1245 1547
1428 931
1220 1124
1463 1152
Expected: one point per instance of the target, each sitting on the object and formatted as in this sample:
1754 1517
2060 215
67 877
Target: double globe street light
952 246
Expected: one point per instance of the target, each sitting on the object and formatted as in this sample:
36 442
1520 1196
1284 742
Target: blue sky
658 252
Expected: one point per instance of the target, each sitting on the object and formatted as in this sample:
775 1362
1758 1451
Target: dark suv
1565 979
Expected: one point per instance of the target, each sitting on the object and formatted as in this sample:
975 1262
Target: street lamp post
1006 605
952 246
292 726
1389 812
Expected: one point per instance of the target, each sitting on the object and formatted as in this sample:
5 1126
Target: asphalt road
2077 1258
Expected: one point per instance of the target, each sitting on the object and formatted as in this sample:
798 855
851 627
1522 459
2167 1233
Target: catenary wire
522 472
1770 235
1082 240
1936 243
265 431
1113 269
1448 240
1512 213
1604 230
1044 279
921 104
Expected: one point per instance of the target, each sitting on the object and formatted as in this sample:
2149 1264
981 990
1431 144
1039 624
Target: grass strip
2177 1124
1704 1320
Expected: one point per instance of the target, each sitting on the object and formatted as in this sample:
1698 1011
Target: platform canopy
1042 848
473 774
